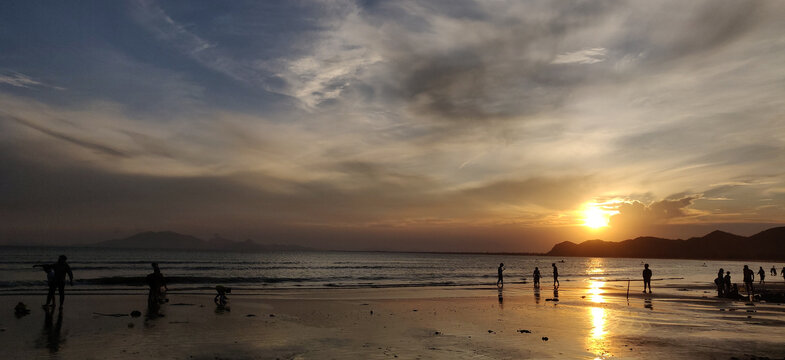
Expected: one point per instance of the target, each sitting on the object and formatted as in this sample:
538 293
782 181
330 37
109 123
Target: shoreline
450 323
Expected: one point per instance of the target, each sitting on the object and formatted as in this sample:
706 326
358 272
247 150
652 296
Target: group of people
55 279
56 273
536 275
726 289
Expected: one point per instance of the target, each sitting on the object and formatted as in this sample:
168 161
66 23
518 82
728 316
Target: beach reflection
51 335
597 339
595 291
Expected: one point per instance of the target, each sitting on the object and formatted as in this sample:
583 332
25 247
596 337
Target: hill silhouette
169 240
717 245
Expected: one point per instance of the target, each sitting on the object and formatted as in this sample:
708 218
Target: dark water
108 270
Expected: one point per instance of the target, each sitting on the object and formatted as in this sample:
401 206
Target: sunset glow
595 216
389 125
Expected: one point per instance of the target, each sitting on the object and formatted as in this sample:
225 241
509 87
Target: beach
482 322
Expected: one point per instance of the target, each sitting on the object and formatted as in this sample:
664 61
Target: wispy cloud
411 115
17 79
585 56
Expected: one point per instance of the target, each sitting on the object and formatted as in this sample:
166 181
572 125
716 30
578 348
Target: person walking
536 277
61 269
773 271
500 282
646 278
156 281
555 276
749 277
762 275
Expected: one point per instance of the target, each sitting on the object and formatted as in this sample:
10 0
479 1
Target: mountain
717 245
170 240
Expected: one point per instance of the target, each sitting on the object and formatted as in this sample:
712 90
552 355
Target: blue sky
425 125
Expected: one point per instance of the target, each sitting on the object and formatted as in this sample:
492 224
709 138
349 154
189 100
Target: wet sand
594 322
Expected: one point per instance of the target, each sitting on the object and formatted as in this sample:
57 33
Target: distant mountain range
174 241
717 245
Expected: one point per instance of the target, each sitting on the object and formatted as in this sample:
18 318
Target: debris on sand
110 315
21 310
524 331
544 338
136 313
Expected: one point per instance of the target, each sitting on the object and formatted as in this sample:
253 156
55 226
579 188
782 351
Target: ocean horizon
102 270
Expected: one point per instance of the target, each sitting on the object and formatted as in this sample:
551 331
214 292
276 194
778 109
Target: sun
595 216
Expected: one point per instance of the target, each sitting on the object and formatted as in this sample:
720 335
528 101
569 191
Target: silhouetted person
221 299
500 282
555 276
50 283
646 278
773 271
719 282
726 282
734 292
536 276
156 281
782 272
61 269
762 275
749 277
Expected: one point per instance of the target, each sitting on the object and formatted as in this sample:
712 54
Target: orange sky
476 126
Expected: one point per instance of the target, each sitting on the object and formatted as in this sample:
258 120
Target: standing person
773 271
726 282
61 269
156 281
646 278
719 282
762 275
50 283
500 282
555 276
536 276
749 277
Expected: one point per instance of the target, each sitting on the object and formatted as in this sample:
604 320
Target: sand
595 322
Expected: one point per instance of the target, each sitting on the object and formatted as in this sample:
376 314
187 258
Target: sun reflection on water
597 340
595 291
598 322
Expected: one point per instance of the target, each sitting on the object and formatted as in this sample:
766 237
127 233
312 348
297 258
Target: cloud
585 56
636 214
20 80
409 115
96 147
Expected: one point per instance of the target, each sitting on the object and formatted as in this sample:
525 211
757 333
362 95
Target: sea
105 271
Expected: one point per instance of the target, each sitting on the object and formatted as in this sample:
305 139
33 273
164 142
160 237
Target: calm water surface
110 270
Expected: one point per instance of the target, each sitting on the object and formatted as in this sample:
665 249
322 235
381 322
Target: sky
499 126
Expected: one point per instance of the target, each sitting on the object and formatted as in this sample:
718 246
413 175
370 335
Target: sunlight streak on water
595 291
596 341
